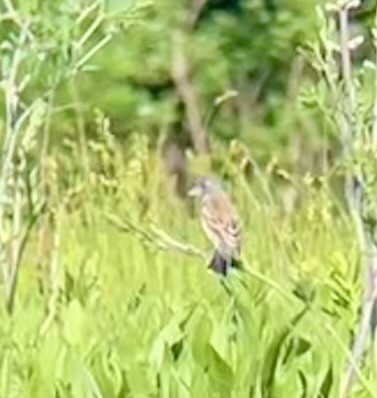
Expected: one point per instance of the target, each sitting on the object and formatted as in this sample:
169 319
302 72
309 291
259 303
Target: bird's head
203 186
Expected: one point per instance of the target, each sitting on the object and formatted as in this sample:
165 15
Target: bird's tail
221 264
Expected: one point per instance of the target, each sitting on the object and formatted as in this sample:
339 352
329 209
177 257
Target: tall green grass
106 309
102 312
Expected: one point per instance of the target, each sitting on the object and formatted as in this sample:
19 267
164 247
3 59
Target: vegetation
108 110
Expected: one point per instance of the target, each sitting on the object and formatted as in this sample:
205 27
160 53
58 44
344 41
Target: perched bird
220 222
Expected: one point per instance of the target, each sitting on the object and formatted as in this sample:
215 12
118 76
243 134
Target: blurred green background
114 107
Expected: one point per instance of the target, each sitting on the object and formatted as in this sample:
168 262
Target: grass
104 313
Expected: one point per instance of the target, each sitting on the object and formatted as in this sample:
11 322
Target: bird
220 222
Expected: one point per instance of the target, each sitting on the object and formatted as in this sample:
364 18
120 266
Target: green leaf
220 373
327 384
273 352
75 322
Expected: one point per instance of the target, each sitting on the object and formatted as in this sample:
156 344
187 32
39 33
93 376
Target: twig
12 131
156 238
176 245
17 260
217 103
358 202
14 15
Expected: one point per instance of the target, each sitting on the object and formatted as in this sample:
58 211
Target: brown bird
220 222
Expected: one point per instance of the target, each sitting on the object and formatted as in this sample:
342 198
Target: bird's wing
223 222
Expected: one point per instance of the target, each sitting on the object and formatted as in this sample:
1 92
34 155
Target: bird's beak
194 191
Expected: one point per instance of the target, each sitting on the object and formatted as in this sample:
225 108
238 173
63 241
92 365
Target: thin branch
374 129
156 238
14 15
346 112
175 245
11 94
358 201
97 47
180 73
217 104
196 12
363 332
17 260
